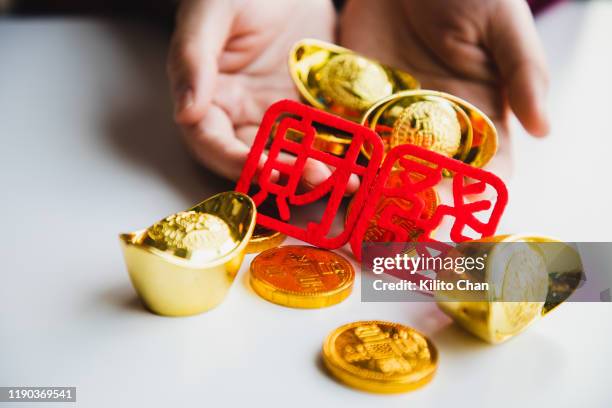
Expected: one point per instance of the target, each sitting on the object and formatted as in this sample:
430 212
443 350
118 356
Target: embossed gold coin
380 357
430 125
263 239
341 81
301 276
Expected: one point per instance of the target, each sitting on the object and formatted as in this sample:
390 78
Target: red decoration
420 169
286 116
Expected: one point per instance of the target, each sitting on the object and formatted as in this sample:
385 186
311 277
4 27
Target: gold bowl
185 263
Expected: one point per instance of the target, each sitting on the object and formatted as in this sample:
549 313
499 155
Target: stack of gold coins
302 276
380 357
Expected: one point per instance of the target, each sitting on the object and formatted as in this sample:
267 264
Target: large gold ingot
435 121
185 263
341 81
528 277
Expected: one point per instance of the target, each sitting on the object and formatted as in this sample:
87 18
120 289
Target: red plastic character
419 170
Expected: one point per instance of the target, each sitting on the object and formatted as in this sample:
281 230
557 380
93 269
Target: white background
88 150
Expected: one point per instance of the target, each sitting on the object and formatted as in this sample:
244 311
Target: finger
515 45
201 32
214 144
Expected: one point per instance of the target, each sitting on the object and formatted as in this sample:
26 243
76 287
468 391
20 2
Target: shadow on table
123 298
139 125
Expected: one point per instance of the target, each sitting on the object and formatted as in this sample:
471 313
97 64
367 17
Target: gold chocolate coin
301 276
263 239
380 357
430 125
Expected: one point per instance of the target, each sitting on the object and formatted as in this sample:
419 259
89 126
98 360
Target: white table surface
88 150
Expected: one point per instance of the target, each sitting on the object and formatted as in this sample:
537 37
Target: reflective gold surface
430 125
380 357
185 263
263 239
301 276
536 275
340 81
436 121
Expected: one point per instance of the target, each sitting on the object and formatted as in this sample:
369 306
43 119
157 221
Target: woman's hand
485 51
228 63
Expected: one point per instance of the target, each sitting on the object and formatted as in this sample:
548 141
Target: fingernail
183 99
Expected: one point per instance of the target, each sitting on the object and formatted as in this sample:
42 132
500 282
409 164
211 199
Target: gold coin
379 356
192 235
301 276
263 239
354 81
430 125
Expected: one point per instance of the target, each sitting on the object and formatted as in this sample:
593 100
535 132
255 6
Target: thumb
516 48
202 28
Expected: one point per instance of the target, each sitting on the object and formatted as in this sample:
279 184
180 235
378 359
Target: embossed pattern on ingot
430 125
379 356
191 235
354 81
301 276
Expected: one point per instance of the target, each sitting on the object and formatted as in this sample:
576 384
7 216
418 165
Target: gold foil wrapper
380 357
435 121
185 263
527 276
341 81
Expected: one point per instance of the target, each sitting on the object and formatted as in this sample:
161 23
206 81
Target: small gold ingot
185 263
340 81
436 121
264 239
527 277
380 357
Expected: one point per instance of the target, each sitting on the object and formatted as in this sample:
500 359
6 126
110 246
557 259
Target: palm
253 69
387 34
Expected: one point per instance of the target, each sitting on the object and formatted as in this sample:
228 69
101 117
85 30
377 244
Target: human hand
228 63
487 52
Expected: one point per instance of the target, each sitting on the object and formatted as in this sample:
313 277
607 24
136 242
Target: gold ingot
436 121
185 263
380 357
338 80
533 275
264 239
301 276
